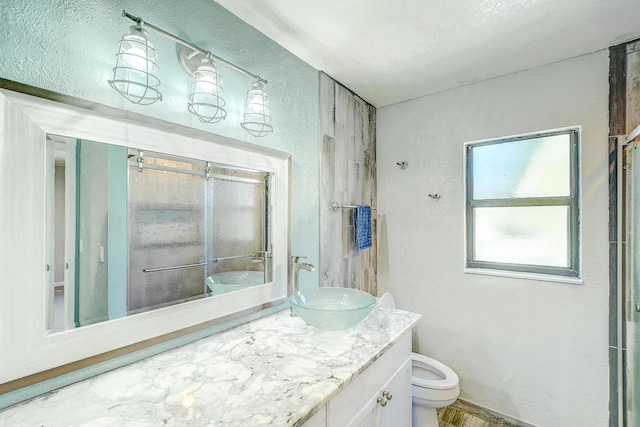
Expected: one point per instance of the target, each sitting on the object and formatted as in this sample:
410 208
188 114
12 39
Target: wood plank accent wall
348 177
617 115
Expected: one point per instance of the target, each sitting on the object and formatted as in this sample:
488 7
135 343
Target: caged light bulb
257 113
135 73
205 99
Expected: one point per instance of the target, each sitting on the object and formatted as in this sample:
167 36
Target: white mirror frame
25 348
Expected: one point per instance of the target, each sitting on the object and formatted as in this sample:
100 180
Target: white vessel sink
332 308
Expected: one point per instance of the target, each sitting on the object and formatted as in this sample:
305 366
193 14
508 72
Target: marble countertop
274 371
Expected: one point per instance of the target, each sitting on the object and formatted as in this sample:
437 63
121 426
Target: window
522 210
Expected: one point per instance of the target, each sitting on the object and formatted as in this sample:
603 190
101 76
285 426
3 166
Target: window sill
525 276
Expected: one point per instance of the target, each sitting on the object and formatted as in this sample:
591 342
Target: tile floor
456 417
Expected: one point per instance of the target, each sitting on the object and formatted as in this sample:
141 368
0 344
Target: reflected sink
332 309
230 281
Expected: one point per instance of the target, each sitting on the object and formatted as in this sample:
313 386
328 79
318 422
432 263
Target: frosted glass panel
526 168
533 235
632 284
238 224
166 229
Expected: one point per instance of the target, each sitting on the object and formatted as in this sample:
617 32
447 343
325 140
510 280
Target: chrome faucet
295 268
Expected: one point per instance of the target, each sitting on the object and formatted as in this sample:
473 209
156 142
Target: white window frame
571 274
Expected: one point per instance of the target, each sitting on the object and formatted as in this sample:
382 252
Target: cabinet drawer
343 407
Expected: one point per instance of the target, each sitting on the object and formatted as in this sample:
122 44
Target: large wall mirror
116 231
130 231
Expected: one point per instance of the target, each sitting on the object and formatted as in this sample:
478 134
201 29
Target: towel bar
200 264
335 206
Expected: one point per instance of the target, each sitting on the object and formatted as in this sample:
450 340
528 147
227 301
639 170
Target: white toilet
433 384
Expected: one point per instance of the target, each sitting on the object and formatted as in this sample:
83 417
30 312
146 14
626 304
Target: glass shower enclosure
629 298
188 221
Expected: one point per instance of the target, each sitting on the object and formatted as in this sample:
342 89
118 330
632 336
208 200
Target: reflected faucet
296 266
264 257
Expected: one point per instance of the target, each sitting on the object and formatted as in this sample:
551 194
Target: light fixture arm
185 43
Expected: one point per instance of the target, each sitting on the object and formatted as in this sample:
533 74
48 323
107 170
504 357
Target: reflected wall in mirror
137 230
121 231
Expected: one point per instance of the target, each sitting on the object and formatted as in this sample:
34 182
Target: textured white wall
534 350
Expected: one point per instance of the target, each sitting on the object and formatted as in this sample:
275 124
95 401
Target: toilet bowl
433 384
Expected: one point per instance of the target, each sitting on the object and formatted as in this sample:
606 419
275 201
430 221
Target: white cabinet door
397 411
357 405
391 405
368 415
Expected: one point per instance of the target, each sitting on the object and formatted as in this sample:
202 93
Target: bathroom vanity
272 371
379 396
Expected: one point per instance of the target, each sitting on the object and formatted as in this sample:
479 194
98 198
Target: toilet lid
386 300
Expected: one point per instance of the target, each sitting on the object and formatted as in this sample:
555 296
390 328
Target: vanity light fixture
135 78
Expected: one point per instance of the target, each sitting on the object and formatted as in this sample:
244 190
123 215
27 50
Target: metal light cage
257 113
135 73
205 99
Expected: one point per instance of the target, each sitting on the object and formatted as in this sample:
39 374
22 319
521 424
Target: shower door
168 233
631 279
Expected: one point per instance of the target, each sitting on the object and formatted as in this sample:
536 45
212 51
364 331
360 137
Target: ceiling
392 51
